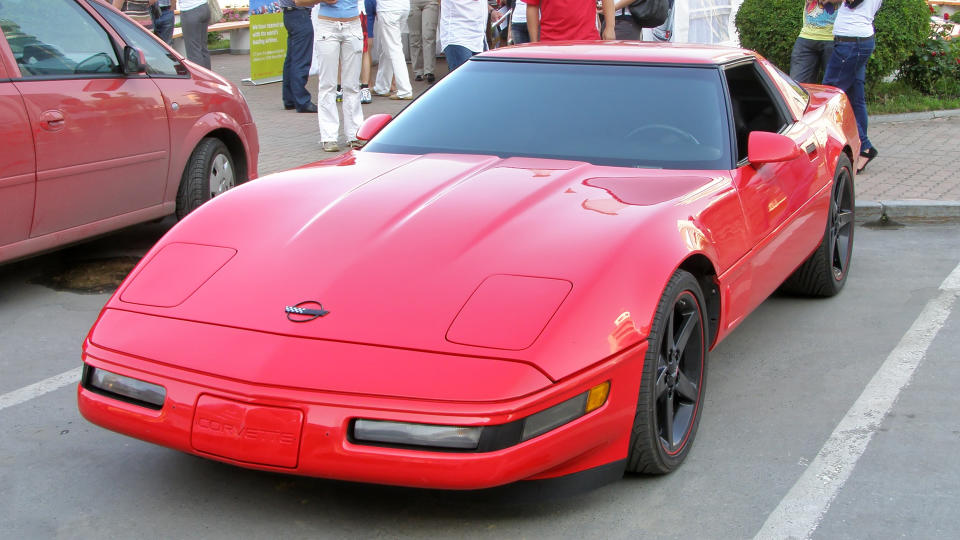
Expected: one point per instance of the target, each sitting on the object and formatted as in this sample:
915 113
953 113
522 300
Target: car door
101 137
17 165
774 195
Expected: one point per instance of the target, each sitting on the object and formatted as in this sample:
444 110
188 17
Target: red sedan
519 277
103 126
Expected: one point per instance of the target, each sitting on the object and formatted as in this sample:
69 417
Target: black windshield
623 115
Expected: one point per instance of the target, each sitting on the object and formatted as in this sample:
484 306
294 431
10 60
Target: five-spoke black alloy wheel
672 384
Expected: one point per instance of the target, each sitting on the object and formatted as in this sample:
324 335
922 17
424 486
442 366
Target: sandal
869 153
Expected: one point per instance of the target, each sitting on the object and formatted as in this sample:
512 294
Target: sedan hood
393 247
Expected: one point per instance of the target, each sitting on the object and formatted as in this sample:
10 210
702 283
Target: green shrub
934 66
770 27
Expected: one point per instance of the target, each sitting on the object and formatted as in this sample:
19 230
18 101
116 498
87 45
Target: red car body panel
102 153
466 290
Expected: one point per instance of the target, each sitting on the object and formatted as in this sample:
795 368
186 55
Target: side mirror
371 126
134 62
765 147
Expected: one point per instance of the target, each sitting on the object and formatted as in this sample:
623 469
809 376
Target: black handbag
649 13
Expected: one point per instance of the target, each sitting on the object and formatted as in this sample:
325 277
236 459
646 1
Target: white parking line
799 513
38 389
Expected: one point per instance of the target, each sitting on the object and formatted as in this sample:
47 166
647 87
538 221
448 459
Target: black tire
673 380
825 272
209 172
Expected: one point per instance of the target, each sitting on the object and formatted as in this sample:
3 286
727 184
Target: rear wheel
672 383
825 272
209 173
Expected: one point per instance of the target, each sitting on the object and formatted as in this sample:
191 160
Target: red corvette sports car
519 277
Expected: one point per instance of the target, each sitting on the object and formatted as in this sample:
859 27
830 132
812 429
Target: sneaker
339 96
357 143
330 146
403 98
365 96
430 78
418 78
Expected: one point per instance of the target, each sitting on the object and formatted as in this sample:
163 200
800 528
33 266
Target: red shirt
567 19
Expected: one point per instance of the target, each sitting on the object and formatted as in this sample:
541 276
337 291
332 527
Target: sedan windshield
607 114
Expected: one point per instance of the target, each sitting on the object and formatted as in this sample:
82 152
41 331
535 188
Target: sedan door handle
810 148
52 120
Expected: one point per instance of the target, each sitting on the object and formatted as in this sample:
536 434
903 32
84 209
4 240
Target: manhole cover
93 276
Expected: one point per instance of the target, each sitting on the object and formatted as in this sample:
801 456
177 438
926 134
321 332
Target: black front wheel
673 378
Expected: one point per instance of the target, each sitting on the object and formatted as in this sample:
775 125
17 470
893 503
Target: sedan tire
209 173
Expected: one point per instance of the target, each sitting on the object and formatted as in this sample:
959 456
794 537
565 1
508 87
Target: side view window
754 109
160 62
56 38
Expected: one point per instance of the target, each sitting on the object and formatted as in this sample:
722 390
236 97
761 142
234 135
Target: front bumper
307 432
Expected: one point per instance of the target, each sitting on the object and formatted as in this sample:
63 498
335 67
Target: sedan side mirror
765 147
371 126
134 62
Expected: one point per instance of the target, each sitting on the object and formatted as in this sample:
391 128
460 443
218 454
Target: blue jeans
163 26
296 65
847 70
520 33
456 56
809 56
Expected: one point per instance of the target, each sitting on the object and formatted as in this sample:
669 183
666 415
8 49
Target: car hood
471 255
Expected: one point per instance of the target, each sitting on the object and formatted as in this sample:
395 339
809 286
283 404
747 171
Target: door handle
52 120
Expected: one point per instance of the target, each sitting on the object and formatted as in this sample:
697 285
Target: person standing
518 24
561 20
392 65
853 43
163 20
814 45
462 31
194 20
296 64
422 23
340 48
138 10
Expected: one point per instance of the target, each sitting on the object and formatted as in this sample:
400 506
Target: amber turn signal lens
597 396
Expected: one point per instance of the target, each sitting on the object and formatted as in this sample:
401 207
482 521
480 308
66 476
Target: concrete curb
916 210
913 117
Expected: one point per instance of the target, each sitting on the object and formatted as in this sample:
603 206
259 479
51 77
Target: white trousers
391 62
339 44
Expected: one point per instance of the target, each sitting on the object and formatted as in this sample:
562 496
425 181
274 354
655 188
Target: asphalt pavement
915 177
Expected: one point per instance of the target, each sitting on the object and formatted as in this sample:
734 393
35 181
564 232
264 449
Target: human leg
351 52
393 56
163 26
414 25
194 23
384 79
296 65
431 16
328 49
456 56
520 33
805 60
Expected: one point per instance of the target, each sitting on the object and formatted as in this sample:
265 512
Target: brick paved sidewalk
918 158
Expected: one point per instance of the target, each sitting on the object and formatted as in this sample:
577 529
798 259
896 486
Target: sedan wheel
209 172
672 384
